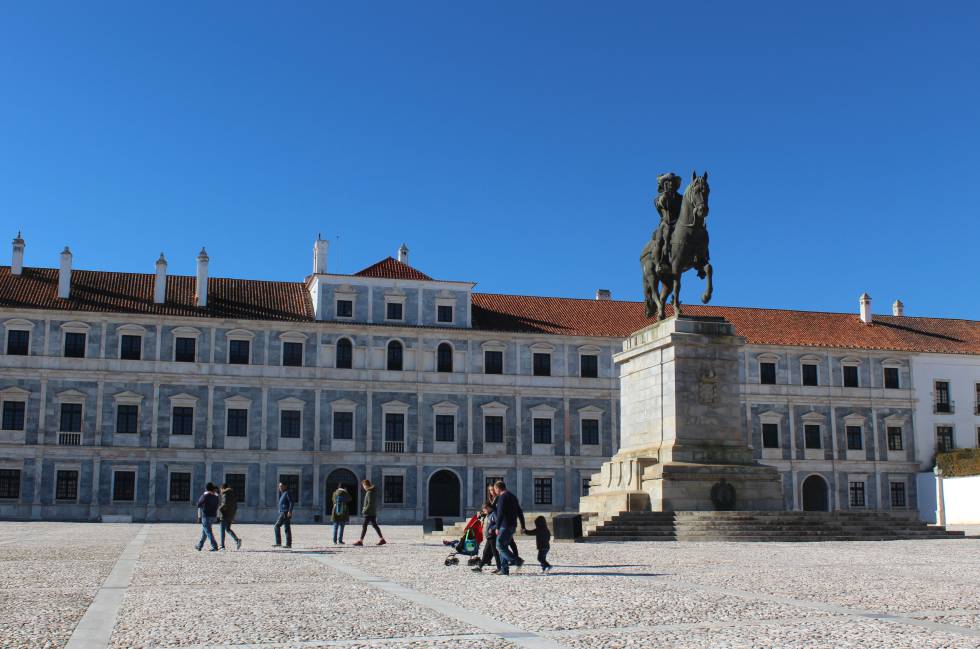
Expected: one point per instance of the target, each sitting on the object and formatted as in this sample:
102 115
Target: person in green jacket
339 513
227 510
370 513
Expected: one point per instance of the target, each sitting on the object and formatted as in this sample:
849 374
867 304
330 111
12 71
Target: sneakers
238 544
341 543
213 550
358 542
382 542
277 545
198 547
477 569
519 562
495 571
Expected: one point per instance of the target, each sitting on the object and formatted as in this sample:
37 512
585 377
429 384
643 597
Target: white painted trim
18 324
128 398
75 327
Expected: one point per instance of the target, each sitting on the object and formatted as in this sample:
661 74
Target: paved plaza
98 585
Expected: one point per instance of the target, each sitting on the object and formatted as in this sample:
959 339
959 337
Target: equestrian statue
679 243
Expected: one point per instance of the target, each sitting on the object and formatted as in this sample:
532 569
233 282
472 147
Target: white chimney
160 283
64 274
865 301
898 309
320 255
403 254
17 260
202 278
603 294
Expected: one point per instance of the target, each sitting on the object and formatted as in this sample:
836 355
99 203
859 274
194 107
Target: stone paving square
87 586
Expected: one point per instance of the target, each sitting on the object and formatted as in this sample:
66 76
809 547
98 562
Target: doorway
815 494
348 480
444 499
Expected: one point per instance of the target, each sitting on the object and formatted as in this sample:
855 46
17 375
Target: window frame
395 478
889 370
942 407
774 424
807 438
543 491
296 417
395 301
73 350
890 437
344 296
350 359
544 368
446 304
17 325
14 395
390 358
170 485
854 431
942 430
857 491
6 483
18 333
116 471
441 357
287 358
333 424
535 432
846 367
903 492
126 339
183 333
58 470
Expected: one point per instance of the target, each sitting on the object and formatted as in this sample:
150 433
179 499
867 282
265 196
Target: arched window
345 354
395 355
444 358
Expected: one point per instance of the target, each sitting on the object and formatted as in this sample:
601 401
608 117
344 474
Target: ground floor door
348 480
815 497
444 494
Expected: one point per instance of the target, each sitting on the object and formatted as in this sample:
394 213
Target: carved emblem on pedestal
708 386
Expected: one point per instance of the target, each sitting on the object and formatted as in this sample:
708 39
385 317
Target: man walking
285 513
229 505
207 514
507 513
369 510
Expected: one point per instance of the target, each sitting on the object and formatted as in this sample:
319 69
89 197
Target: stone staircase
759 526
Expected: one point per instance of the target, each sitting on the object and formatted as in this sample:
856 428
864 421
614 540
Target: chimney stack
17 260
160 283
603 294
865 301
202 278
898 309
403 254
320 255
64 274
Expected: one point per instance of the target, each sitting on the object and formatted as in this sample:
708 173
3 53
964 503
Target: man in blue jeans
508 509
207 514
285 513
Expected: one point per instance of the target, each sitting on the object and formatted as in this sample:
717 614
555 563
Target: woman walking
340 513
370 513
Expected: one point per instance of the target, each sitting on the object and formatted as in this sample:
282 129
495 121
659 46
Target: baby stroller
469 544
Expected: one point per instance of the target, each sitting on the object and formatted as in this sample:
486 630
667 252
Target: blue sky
511 144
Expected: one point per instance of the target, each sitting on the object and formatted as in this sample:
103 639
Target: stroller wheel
452 561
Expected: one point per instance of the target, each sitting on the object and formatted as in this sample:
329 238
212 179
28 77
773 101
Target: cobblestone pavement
84 586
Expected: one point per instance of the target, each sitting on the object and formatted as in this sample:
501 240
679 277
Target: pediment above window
13 393
237 401
127 397
71 396
494 405
590 410
293 337
75 327
589 349
394 406
896 420
186 332
291 403
767 357
493 346
543 409
19 324
813 417
131 330
239 334
445 408
770 417
183 399
542 348
344 405
854 419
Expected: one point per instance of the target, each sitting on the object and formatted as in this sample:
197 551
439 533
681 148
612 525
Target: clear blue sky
511 144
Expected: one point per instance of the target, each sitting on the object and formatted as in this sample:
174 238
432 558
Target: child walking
542 539
340 513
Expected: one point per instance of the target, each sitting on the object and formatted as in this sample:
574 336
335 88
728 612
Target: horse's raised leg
706 296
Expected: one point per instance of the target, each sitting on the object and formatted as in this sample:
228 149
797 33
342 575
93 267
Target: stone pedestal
683 441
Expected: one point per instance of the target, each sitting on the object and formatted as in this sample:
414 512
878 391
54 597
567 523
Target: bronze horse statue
686 249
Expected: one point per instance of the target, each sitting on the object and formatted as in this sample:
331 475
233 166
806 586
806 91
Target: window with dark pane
180 487
445 428
289 423
590 432
345 308
542 364
345 354
393 487
944 439
66 485
127 419
770 435
71 418
291 482
13 415
542 431
394 427
237 422
343 425
811 436
394 356
131 347
493 362
74 344
185 349
898 494
18 342
182 420
542 491
891 378
943 403
493 429
767 373
855 438
444 358
124 486
237 483
589 366
393 311
895 438
856 491
850 376
238 352
10 484
444 313
292 354
809 374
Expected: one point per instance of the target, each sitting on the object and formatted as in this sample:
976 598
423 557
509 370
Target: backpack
340 505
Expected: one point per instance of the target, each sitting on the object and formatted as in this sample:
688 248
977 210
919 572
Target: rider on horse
668 204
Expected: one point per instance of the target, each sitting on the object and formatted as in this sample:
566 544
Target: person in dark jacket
492 499
207 514
490 553
285 513
542 539
229 505
508 509
340 513
369 510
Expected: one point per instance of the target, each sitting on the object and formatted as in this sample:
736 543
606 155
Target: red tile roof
391 268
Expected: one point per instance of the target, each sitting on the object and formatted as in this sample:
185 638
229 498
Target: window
66 485
185 350
343 425
180 487
127 419
124 486
943 404
542 491
289 423
345 354
585 486
291 482
542 364
394 432
810 374
395 356
237 422
944 439
393 488
18 342
891 378
393 311
444 358
770 435
13 415
493 362
182 420
493 429
590 432
71 418
10 484
856 491
811 436
345 308
767 373
292 354
589 366
855 441
74 344
131 347
238 352
898 494
542 431
237 483
895 438
444 313
850 376
445 428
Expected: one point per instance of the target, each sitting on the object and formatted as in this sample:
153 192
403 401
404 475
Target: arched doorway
815 494
444 494
349 481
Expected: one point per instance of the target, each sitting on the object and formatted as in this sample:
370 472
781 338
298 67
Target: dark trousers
490 552
373 522
283 521
543 557
226 529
